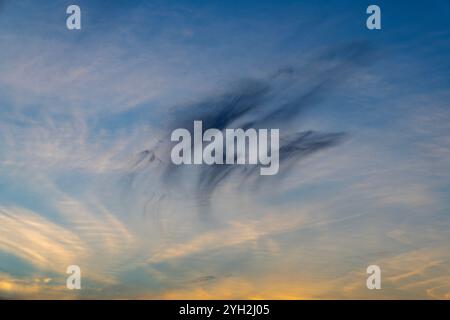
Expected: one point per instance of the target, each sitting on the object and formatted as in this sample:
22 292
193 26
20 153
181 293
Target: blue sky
78 108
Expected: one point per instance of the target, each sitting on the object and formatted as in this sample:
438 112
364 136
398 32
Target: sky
85 171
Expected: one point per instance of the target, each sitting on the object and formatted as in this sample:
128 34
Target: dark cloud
275 102
203 279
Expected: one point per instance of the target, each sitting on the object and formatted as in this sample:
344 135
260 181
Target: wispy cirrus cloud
83 181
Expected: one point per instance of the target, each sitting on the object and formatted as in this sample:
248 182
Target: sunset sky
85 173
